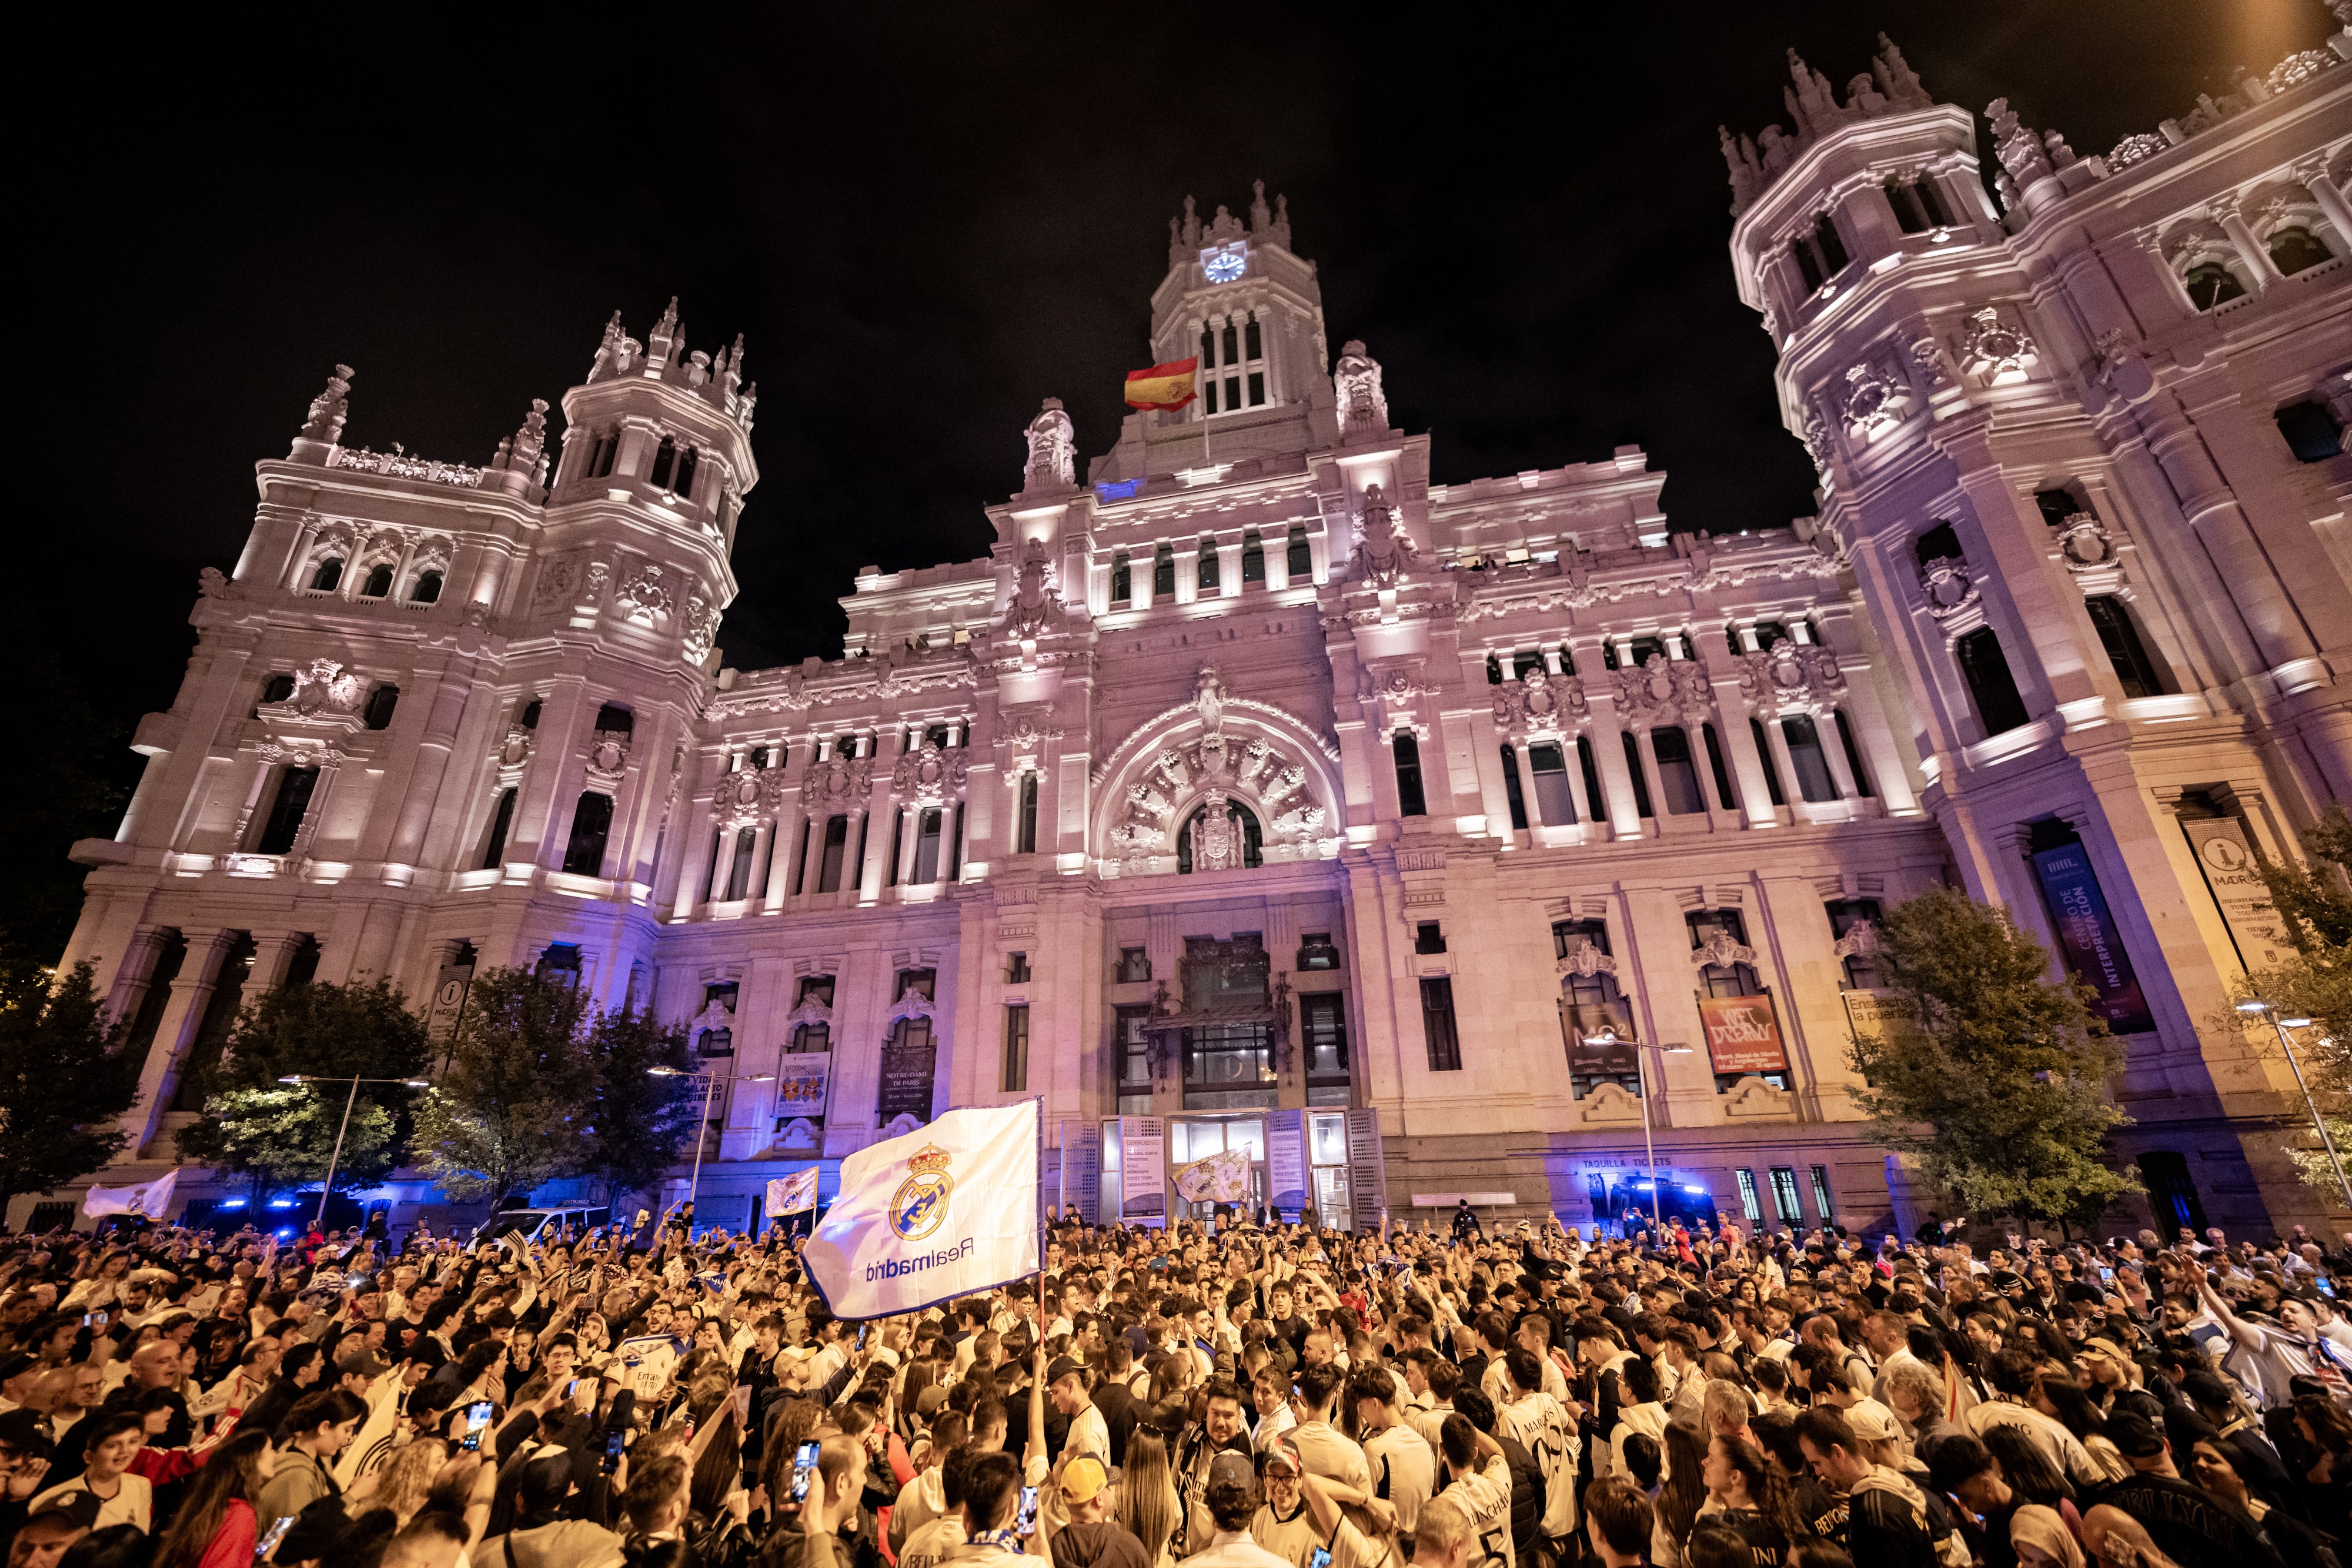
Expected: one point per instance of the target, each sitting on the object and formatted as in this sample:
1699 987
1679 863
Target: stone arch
1253 753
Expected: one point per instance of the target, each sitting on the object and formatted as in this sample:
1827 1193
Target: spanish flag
1163 386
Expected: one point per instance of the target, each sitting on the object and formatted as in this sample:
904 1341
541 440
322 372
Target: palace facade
1258 795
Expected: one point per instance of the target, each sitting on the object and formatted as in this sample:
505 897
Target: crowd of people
1247 1394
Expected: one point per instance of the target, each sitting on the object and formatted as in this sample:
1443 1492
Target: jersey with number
1486 1496
1550 1437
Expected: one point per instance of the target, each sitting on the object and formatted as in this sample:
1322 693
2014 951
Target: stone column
191 990
2258 256
1527 772
2331 200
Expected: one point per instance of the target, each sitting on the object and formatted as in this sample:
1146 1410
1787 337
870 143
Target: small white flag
947 1210
793 1194
1223 1177
149 1200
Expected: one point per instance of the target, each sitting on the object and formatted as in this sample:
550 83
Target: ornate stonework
1663 691
931 773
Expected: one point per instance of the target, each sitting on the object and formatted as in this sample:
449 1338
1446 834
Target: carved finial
329 409
1355 385
1052 449
530 440
608 350
665 335
1192 230
1740 159
1280 231
1260 216
1897 80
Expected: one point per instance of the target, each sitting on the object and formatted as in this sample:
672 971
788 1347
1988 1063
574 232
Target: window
380 704
1494 670
613 719
1677 774
1722 774
1555 798
2311 431
897 836
1027 842
1131 1046
1992 687
561 961
1163 571
1206 573
1016 1049
1193 847
1122 579
955 845
1595 1018
2294 247
1253 557
1822 1203
1016 968
1772 766
1411 801
1938 543
1428 937
1590 768
283 824
1437 1024
378 584
1917 206
1299 559
1750 1204
1323 1033
2171 1193
1784 1195
501 822
278 689
600 457
2211 284
685 465
1134 967
2120 638
2056 505
592 819
814 1034
1832 246
664 463
837 850
1813 779
712 1042
1525 662
1734 979
1845 914
1640 779
530 712
1316 952
1228 1066
738 872
1512 794
1853 755
927 847
330 573
427 590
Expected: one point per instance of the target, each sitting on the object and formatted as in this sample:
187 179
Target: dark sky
924 219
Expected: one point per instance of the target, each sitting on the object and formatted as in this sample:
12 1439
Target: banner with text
1142 1167
1223 1177
2087 938
800 1084
1742 1035
1285 1163
2235 879
448 1001
1599 1037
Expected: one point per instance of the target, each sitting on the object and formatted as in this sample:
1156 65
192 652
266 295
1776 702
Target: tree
1992 1076
511 1110
284 1134
637 1119
67 1074
2314 981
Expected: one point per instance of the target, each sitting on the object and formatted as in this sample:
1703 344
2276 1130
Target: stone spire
329 409
1889 86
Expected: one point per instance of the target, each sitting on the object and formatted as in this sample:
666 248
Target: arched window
1992 687
664 463
330 573
592 820
2295 247
380 704
427 590
1204 844
501 822
379 582
2209 284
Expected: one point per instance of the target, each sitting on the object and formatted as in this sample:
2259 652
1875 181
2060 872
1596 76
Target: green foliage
1993 1077
639 1120
510 1111
66 1076
284 1134
2315 983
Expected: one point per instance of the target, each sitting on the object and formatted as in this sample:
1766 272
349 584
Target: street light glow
2296 1023
2253 1006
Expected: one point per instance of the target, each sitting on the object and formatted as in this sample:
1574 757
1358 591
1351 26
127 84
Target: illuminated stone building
1413 837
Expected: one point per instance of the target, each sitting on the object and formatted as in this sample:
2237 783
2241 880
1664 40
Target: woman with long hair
408 1476
2028 1471
1746 1494
1684 1490
215 1526
2059 1397
1147 1507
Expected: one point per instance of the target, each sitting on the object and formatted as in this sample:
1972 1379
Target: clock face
1223 266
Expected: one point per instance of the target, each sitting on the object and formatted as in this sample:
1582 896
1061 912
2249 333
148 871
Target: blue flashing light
232 1203
1641 1187
1694 1191
281 1203
1117 489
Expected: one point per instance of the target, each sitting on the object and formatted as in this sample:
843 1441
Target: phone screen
1320 1558
2106 1274
1026 1524
861 1334
478 1419
273 1535
613 1442
803 1467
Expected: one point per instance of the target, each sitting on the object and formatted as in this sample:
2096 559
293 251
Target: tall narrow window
1437 1024
1251 343
1784 1195
600 459
1768 761
801 861
427 590
501 822
1992 687
380 705
1323 1033
1206 573
378 583
1122 579
1715 765
1845 914
927 848
1252 558
686 465
1026 844
738 873
1016 1049
2126 652
836 850
330 573
1511 792
955 846
1131 1047
1590 766
813 1033
1163 571
1299 560
664 463
1806 268
898 834
1822 1204
1411 801
1677 774
1832 246
1555 802
1633 770
284 824
592 820
1813 781
1853 756
1751 1202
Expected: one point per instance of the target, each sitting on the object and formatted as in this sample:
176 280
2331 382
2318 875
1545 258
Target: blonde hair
408 1477
1147 1506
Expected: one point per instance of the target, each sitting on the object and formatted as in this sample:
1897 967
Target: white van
540 1224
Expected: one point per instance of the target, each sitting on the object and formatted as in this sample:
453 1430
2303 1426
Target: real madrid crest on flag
921 1201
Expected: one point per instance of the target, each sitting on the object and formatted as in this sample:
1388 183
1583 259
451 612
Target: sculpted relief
1207 761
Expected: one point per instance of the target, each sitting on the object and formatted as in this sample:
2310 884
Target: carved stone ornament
1721 951
1398 687
1363 405
1817 440
593 590
701 626
1928 355
331 408
742 799
1539 701
1860 941
1871 401
515 749
1584 960
1663 691
931 773
1949 587
1023 731
1224 764
641 594
1216 836
323 688
2084 543
912 1003
1992 348
608 755
845 779
212 584
1790 677
1383 554
812 1009
1035 605
716 1014
1208 700
1052 449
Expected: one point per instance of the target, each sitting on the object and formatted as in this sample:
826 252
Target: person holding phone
215 1522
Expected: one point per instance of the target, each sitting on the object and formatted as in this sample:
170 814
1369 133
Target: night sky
924 219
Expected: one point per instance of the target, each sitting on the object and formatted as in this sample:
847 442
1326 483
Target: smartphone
571 1388
273 1535
2106 1275
93 1320
1026 1523
1319 1558
861 1335
803 1467
614 1442
478 1420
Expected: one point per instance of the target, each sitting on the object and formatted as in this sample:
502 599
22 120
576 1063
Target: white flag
1223 1177
793 1194
947 1210
149 1200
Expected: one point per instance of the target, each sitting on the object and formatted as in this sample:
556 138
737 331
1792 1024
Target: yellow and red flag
1163 386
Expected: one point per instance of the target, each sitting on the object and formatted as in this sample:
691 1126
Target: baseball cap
1870 1423
1231 1472
21 1430
1083 1479
1064 1366
929 1402
367 1364
1283 1451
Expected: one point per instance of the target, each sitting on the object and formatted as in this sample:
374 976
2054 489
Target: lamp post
350 1099
2286 1044
1608 1036
710 1081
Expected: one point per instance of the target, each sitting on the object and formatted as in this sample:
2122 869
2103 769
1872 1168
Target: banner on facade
2087 938
800 1083
1285 1163
1868 1012
1142 1167
1223 1177
793 1194
448 1001
907 1072
2234 878
1599 1037
1742 1035
1082 1170
149 1200
1368 1171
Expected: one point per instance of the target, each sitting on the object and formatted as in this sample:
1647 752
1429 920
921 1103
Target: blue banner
2087 938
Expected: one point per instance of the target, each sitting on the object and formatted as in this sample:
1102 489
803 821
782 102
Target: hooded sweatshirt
566 1543
1886 1521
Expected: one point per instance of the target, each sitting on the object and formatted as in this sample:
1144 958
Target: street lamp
327 1186
1608 1036
710 1081
2286 1044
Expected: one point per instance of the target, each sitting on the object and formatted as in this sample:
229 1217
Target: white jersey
646 1362
1550 1437
1486 1496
